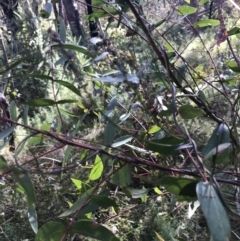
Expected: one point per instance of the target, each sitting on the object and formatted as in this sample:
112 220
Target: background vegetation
119 120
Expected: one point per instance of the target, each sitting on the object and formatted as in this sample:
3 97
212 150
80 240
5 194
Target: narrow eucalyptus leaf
13 110
23 178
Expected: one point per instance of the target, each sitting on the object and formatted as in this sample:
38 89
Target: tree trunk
93 26
73 19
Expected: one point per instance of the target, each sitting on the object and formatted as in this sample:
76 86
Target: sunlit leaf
101 56
192 210
97 169
201 2
233 66
6 132
95 40
124 117
48 8
159 236
206 23
214 212
157 190
77 183
186 10
153 129
121 141
32 217
51 231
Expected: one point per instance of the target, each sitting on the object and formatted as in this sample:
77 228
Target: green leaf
18 62
158 191
61 61
201 2
159 23
214 212
184 188
234 31
66 101
6 132
137 193
13 110
233 66
206 23
81 201
180 72
202 96
76 48
110 131
25 115
220 135
51 231
104 202
186 10
122 177
3 165
166 146
189 112
69 86
23 178
121 141
112 103
217 150
36 140
32 217
97 169
77 183
40 102
153 129
92 230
